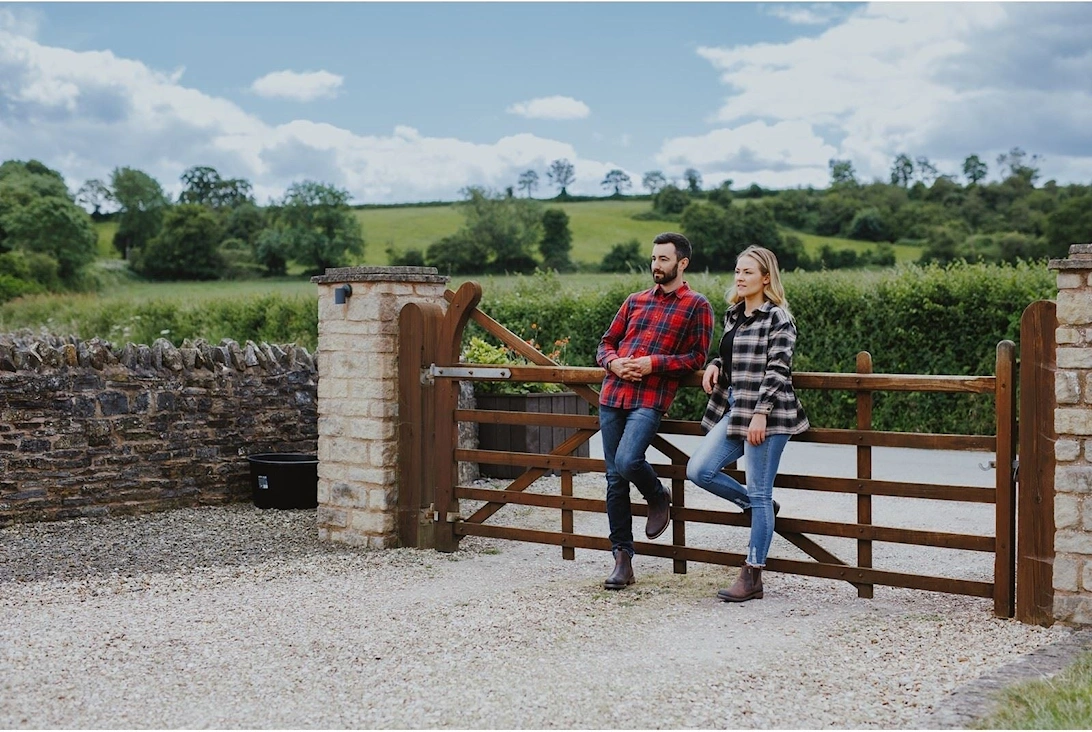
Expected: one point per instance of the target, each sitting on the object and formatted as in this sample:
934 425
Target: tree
927 172
974 169
499 235
841 173
42 225
1070 223
670 200
142 203
95 194
187 247
867 225
557 240
625 257
653 180
618 180
528 181
322 230
693 180
204 186
55 227
902 171
561 174
1019 165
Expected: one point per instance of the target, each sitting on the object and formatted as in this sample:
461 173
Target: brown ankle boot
623 571
747 586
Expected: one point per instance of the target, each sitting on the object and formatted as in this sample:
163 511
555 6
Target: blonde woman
752 408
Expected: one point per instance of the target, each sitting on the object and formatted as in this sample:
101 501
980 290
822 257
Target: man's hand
630 369
709 378
756 432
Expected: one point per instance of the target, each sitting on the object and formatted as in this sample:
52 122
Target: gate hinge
427 379
426 514
1015 469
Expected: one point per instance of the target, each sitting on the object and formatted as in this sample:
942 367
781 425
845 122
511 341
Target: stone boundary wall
87 429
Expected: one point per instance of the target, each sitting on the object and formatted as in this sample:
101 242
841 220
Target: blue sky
413 101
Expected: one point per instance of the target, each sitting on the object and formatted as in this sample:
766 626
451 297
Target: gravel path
234 617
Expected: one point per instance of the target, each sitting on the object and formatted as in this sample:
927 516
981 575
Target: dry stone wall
89 429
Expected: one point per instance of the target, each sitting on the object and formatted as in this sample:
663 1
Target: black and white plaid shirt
761 378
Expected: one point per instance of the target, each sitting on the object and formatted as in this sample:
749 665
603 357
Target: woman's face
749 278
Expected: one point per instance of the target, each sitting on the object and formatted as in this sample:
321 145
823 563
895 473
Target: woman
752 406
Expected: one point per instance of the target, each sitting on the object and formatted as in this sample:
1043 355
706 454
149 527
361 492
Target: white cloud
936 79
804 14
21 21
86 113
555 107
305 87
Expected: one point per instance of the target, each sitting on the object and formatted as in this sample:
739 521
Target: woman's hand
756 432
709 378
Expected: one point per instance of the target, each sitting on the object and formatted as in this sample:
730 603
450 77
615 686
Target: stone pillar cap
380 274
1080 257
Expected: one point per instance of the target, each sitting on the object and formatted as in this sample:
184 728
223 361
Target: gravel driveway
236 617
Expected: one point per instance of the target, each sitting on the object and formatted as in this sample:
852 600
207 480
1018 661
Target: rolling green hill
596 226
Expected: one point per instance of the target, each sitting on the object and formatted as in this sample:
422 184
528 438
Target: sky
406 102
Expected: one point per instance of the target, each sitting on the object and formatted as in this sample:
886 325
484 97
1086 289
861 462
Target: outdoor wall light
342 293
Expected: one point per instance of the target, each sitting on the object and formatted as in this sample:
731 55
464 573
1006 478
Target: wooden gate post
358 310
1073 425
1035 492
1004 568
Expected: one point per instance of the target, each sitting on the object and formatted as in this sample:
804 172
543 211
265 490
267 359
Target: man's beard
666 278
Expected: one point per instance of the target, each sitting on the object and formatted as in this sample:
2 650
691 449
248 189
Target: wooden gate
1035 512
429 494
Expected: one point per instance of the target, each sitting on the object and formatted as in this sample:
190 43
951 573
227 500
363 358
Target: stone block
1073 609
1068 336
1074 358
1075 306
331 387
371 429
1073 421
1067 511
371 522
1064 450
1067 572
1086 577
342 450
1073 542
329 516
1073 479
1067 388
1070 280
383 499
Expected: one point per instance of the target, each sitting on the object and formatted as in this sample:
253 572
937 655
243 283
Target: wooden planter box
526 438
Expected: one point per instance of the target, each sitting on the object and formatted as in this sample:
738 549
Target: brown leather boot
747 586
622 576
659 514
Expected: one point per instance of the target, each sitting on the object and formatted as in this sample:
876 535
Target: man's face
665 264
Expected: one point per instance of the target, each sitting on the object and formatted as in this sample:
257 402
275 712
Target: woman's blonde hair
774 291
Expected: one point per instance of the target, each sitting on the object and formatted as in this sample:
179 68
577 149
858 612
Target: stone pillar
1073 450
358 397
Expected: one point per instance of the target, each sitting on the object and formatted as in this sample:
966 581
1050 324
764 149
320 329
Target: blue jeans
626 434
715 451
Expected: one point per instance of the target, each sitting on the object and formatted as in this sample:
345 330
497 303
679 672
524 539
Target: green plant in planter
482 352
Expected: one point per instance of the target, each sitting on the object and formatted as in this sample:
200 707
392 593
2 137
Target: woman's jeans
715 451
626 435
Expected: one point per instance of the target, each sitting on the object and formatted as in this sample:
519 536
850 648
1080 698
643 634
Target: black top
726 342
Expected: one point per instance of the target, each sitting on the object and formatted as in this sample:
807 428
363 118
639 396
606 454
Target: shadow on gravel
178 540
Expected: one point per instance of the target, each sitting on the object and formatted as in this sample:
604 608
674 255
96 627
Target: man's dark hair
682 244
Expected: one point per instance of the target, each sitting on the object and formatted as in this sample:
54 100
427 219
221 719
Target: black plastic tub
284 480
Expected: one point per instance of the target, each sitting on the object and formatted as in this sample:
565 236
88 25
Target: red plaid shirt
673 328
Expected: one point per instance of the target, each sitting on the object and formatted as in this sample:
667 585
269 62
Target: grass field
596 227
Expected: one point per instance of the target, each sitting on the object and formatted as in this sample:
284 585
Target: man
657 337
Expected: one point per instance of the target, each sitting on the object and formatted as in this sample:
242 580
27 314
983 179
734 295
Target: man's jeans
626 434
715 451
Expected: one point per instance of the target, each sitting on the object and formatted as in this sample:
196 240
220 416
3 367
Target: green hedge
913 320
272 318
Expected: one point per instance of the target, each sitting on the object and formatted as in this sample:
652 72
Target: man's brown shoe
659 514
622 575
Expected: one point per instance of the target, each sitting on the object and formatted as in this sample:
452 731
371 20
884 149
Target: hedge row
913 320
